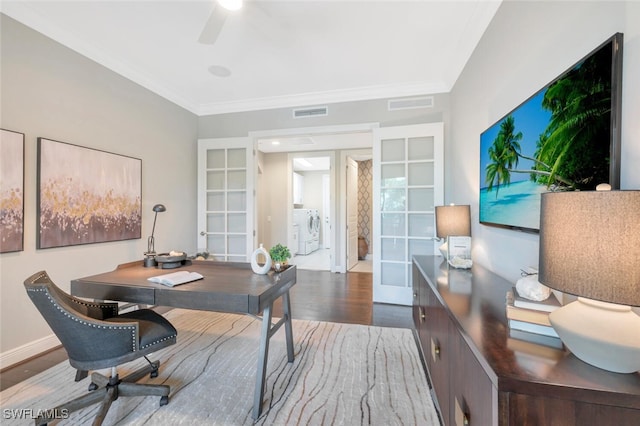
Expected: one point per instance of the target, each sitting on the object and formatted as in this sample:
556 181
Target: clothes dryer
309 240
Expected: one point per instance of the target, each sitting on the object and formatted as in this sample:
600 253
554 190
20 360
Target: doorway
275 150
359 212
310 244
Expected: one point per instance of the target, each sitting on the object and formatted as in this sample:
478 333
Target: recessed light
219 71
275 142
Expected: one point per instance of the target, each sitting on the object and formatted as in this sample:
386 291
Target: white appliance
308 222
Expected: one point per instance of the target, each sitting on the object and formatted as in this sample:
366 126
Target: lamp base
602 334
149 261
444 249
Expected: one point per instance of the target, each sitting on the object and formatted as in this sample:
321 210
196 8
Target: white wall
51 91
526 46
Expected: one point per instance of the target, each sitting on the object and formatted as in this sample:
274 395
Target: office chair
95 337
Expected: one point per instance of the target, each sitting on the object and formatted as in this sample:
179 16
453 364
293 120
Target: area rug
343 374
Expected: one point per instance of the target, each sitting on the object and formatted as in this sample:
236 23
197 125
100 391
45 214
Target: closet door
407 185
226 198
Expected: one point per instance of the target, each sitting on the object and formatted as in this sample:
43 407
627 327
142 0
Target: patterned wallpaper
365 201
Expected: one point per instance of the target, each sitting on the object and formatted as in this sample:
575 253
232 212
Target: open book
176 278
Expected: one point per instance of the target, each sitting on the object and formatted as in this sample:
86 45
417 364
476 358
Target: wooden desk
484 376
226 287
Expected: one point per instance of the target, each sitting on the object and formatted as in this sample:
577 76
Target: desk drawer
113 292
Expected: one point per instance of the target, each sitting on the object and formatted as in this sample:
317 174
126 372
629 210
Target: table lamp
452 220
590 248
149 256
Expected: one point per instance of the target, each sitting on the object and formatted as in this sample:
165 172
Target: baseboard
24 352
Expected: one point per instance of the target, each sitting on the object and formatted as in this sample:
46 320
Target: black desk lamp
149 256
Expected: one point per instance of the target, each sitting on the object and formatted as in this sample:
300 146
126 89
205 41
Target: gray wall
50 91
527 45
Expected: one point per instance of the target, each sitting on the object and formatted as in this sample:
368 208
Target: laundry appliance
308 221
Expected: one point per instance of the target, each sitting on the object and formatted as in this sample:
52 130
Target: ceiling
277 53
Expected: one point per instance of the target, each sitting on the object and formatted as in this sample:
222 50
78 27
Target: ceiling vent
311 112
410 103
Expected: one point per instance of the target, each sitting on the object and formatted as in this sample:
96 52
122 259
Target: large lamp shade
590 244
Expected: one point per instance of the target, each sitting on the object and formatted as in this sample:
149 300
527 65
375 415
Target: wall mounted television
564 137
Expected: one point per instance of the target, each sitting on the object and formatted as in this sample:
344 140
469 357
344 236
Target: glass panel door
225 199
408 184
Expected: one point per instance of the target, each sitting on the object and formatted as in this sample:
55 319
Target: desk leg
263 353
263 356
288 329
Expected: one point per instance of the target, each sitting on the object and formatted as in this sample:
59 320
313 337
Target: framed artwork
565 137
86 196
12 191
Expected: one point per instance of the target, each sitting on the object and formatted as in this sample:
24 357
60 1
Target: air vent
311 112
411 103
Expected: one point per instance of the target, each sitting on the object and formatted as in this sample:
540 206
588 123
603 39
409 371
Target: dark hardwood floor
318 295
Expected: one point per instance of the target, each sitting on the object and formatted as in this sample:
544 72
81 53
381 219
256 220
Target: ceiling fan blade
214 24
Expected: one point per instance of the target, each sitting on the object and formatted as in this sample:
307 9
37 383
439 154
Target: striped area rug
343 374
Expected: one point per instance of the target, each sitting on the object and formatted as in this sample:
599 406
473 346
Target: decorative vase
363 248
255 266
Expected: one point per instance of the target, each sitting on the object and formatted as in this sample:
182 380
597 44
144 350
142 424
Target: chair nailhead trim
110 327
95 305
158 341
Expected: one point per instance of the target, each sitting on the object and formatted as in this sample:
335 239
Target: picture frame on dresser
11 191
566 136
86 195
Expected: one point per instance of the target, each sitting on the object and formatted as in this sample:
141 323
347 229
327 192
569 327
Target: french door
407 185
226 198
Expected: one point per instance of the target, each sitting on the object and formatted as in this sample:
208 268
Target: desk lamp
590 247
149 256
452 220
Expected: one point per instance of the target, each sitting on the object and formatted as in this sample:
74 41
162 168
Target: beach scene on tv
558 140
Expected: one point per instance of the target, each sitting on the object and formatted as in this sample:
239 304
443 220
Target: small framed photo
459 252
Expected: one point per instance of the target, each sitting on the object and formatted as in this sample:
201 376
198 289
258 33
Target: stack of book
529 319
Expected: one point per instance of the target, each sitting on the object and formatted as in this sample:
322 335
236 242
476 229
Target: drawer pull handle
461 418
435 350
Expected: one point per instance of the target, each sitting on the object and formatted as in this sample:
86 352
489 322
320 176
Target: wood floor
318 295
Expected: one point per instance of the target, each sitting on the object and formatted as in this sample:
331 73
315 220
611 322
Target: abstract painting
86 195
11 191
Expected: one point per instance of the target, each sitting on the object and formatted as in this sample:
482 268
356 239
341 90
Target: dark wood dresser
482 375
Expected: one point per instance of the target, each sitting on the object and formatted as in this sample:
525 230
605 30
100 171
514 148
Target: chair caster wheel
164 400
92 387
153 374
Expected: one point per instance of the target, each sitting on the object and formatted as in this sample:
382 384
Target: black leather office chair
95 336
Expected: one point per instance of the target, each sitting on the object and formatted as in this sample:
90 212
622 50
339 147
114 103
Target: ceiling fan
221 10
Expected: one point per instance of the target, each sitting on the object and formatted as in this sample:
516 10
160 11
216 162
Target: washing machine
309 237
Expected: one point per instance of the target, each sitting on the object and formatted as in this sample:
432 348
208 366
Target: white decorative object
257 268
529 288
